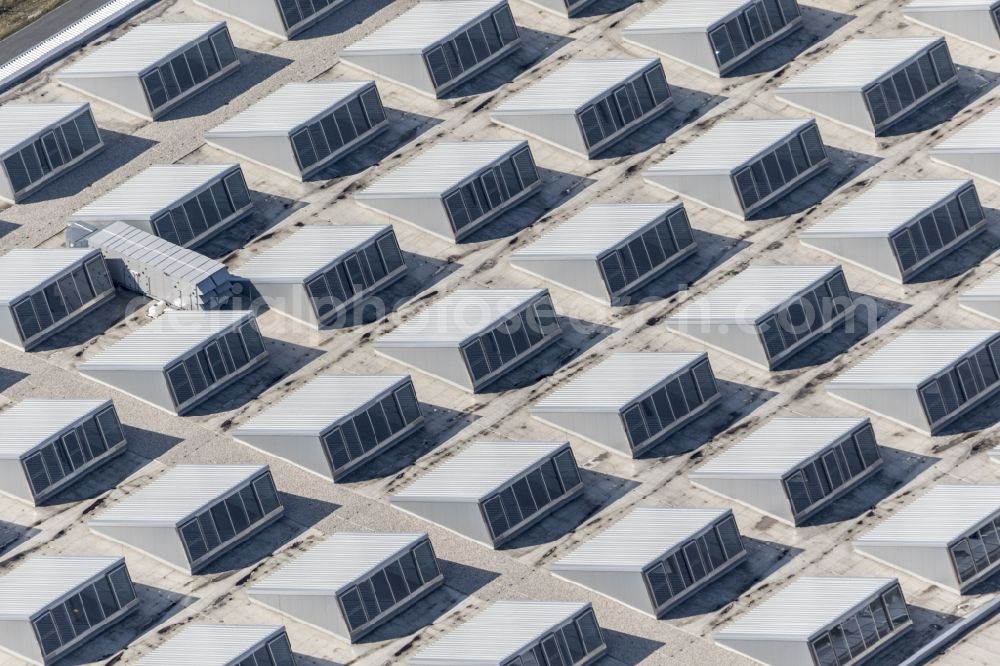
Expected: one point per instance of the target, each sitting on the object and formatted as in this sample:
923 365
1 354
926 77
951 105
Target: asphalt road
46 26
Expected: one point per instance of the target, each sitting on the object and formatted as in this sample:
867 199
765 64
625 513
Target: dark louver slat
122 585
266 494
730 537
589 631
47 636
568 471
281 651
353 610
426 561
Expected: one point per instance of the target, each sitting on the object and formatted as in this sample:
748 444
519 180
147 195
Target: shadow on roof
13 535
268 211
927 625
628 649
10 377
973 83
965 257
94 323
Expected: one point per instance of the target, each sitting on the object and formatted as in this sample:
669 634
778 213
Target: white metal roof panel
31 422
21 122
951 5
307 251
41 580
938 517
210 645
987 290
572 86
686 15
287 109
428 23
979 136
24 269
140 48
594 230
858 63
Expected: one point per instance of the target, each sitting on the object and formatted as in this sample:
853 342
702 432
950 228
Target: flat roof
23 270
210 644
421 27
686 15
306 251
980 136
572 86
858 63
939 517
140 48
25 425
22 121
42 580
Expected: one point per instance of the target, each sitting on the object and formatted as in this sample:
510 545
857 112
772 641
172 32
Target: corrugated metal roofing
988 289
885 207
210 645
572 86
752 294
176 494
163 340
335 563
778 446
938 517
477 471
981 135
31 422
803 607
41 580
497 633
306 251
911 357
729 144
616 381
458 316
140 48
422 27
439 168
641 537
24 269
685 15
594 230
951 4
287 108
20 122
858 63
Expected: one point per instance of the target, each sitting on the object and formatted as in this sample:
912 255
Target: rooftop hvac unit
154 67
767 314
317 273
42 291
608 251
281 18
336 423
520 632
48 445
586 106
53 605
351 583
40 142
192 514
452 189
302 128
924 379
224 645
793 467
973 21
974 148
949 536
821 621
740 167
180 359
716 36
493 491
870 84
185 204
471 337
436 46
984 298
631 402
899 228
654 558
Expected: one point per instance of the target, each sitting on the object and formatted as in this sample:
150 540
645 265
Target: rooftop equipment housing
630 402
43 290
766 314
224 645
351 583
924 379
336 423
435 46
303 127
716 36
793 467
654 558
984 298
974 148
452 189
742 166
181 358
974 21
586 106
821 621
607 251
40 142
49 606
870 84
281 18
471 337
950 536
493 491
154 67
318 272
192 514
185 204
520 632
899 228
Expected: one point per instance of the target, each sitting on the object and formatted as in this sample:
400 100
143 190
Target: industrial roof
287 108
176 494
33 421
951 4
457 317
987 290
210 645
306 251
981 135
802 608
42 580
777 447
685 15
335 563
644 535
572 86
422 26
476 471
911 357
21 122
752 294
937 518
500 631
887 206
441 167
616 381
858 63
25 269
